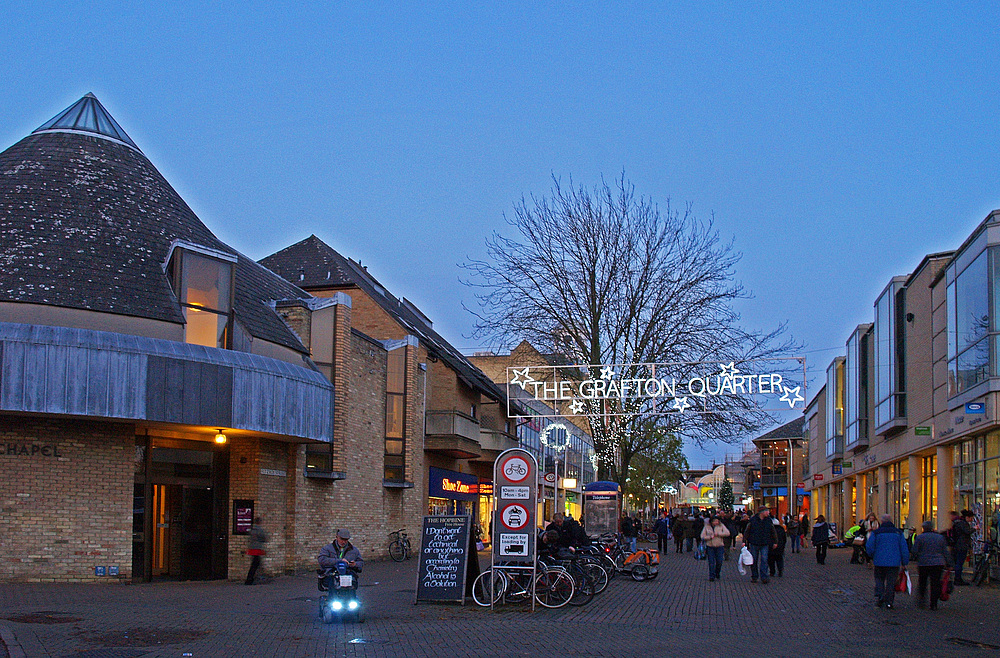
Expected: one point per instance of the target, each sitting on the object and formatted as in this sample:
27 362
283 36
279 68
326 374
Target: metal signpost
515 508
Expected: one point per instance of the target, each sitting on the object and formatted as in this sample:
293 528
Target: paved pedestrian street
811 611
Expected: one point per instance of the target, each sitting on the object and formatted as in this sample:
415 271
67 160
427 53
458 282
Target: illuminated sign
704 383
459 487
443 483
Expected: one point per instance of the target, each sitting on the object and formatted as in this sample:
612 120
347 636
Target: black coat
760 532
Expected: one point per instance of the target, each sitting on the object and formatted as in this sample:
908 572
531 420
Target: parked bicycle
399 546
554 587
983 561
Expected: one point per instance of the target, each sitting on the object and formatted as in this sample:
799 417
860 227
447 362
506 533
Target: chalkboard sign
444 558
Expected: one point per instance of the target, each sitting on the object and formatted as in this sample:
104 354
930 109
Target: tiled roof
312 264
790 430
87 222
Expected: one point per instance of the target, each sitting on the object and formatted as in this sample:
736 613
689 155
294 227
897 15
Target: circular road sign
514 516
516 469
550 478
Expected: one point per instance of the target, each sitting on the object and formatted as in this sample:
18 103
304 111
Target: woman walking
776 556
930 549
821 538
713 538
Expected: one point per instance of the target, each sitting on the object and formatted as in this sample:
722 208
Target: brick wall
64 515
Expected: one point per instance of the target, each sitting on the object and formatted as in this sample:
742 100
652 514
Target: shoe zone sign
670 388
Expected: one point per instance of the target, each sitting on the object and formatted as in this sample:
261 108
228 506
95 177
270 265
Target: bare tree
602 276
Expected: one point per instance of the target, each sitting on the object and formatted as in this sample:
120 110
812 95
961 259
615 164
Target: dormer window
203 283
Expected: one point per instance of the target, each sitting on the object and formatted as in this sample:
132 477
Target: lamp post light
557 447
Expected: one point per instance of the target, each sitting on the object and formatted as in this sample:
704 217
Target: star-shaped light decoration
728 370
680 404
521 377
607 372
576 407
791 396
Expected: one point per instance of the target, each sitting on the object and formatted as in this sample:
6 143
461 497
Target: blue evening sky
835 145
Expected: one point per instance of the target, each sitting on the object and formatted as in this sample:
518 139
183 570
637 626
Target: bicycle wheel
488 588
583 589
609 567
979 573
553 589
397 551
599 575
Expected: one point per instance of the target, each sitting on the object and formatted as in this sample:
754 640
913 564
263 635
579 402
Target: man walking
662 529
889 552
760 537
961 542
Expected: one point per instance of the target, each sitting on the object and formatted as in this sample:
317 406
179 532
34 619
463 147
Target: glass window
969 325
203 286
395 415
835 398
890 401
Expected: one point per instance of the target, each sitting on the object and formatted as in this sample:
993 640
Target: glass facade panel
890 400
835 408
969 325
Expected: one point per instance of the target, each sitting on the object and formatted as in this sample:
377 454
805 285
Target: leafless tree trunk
602 276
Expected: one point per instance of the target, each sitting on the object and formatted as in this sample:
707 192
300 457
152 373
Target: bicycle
983 561
399 547
553 586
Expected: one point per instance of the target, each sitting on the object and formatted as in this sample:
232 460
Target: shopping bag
946 585
901 581
480 546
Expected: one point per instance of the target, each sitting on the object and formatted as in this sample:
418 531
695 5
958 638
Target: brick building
446 422
153 396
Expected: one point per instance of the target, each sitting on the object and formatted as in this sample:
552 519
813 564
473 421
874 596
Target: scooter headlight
337 605
353 605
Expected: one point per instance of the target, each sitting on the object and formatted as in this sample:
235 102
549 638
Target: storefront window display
976 472
898 492
930 492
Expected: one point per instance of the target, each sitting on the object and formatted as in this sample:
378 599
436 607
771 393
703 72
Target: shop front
451 492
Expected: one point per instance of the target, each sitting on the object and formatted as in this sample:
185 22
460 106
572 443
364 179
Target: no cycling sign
515 491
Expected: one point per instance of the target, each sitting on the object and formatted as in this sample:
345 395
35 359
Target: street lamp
557 447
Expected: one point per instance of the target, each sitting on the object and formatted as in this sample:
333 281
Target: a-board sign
444 558
515 506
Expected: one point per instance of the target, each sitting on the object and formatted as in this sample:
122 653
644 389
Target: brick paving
812 611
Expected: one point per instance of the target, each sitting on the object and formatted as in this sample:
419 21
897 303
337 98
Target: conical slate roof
87 222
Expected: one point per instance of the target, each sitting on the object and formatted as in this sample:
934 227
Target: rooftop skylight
89 116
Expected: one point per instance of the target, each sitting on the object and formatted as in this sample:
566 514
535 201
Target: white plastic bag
745 560
909 585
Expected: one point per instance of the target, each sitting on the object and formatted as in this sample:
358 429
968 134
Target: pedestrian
804 530
255 548
930 550
662 530
677 528
629 532
792 527
821 538
727 542
776 556
961 542
759 538
713 536
889 552
691 529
